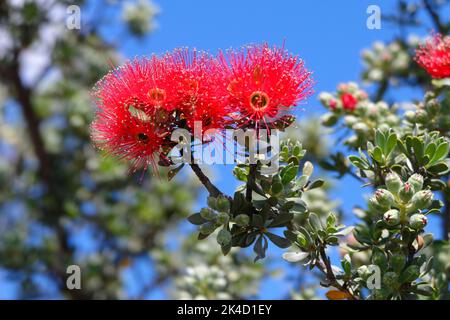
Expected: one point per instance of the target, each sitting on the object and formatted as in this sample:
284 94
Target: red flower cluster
141 103
434 56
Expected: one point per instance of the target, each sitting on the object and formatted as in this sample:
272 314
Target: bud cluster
216 215
402 202
358 113
385 61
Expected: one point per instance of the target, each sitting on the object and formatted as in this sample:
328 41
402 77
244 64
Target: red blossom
200 85
349 101
265 81
434 56
130 137
141 103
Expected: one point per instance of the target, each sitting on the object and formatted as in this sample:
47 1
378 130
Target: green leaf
410 274
358 162
197 219
278 241
440 168
281 220
441 152
257 221
314 221
430 150
295 256
380 139
418 148
377 155
391 143
260 248
316 184
289 175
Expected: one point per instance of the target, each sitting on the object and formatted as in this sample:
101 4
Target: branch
434 16
328 271
250 182
212 189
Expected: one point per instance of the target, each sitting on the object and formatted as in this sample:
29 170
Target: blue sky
329 35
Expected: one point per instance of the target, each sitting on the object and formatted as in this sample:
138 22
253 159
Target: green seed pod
207 213
416 181
384 198
391 217
418 221
422 199
223 204
390 279
222 218
406 192
224 237
207 228
393 182
242 220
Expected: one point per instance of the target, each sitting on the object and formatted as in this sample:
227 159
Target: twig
328 271
212 189
434 16
250 182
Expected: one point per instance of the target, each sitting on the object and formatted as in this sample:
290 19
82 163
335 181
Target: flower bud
393 182
207 213
222 218
418 221
406 192
360 128
350 120
224 237
223 204
422 199
242 220
410 115
207 228
391 217
421 115
384 198
212 202
329 119
374 205
416 181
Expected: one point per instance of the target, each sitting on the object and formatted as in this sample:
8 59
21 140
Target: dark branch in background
50 214
434 17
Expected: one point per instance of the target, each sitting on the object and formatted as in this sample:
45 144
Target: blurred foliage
61 203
